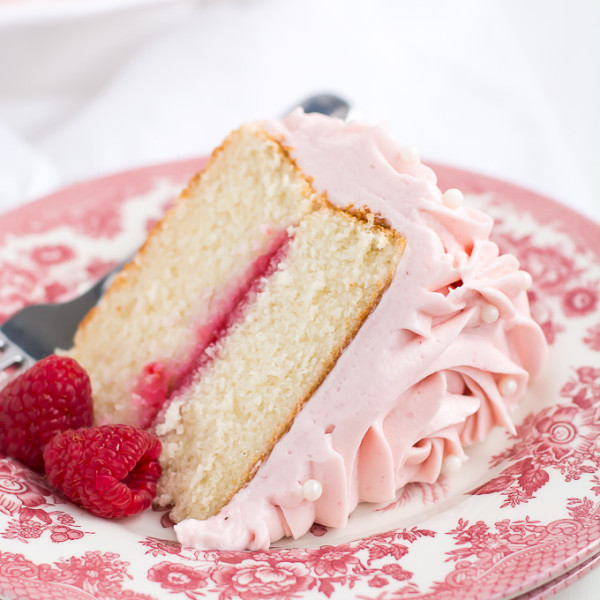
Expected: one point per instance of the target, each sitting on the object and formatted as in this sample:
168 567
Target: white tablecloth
506 88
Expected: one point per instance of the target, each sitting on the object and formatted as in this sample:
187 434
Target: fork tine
12 360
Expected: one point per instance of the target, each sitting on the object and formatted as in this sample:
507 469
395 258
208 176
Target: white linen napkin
460 81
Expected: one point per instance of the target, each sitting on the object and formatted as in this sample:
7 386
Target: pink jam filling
160 381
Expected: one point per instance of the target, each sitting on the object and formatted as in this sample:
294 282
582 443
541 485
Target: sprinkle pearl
452 463
528 280
409 154
489 313
508 385
312 490
453 198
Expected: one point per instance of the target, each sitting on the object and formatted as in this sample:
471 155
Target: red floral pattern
562 287
26 498
580 301
98 575
563 437
160 547
286 573
514 544
17 287
18 489
97 268
551 270
254 579
592 338
429 493
52 254
176 577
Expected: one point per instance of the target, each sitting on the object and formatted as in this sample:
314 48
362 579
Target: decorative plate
521 518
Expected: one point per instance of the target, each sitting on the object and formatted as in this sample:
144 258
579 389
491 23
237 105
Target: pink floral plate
522 518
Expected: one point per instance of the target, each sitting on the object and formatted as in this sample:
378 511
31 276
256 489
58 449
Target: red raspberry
54 395
111 471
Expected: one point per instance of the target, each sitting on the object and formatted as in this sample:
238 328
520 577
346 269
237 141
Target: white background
506 88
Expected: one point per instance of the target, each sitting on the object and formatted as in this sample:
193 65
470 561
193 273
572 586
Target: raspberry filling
160 381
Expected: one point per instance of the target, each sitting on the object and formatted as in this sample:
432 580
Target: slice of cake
314 324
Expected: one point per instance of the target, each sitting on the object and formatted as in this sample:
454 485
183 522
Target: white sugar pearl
452 463
528 280
453 198
489 313
409 154
312 490
508 385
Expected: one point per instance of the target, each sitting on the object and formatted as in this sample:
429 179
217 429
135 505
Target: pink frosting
422 377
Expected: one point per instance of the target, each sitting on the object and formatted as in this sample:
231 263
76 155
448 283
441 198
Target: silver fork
38 330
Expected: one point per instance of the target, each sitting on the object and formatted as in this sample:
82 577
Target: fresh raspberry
54 395
111 471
